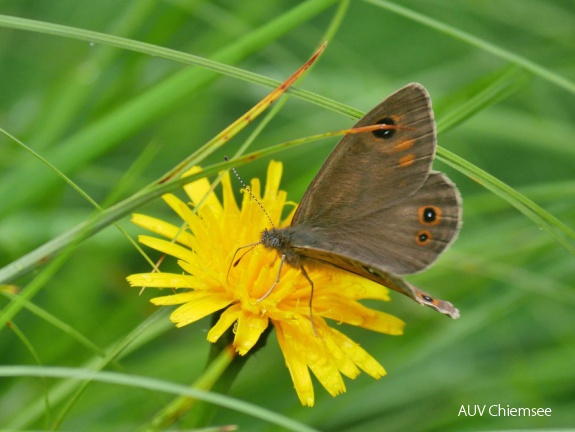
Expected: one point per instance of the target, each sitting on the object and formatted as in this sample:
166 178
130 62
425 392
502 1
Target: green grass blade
534 212
157 385
98 138
477 96
496 50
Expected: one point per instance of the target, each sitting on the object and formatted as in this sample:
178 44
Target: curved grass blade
538 215
157 385
237 126
480 94
66 391
100 221
102 135
529 65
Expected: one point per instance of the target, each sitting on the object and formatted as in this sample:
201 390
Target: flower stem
219 361
223 366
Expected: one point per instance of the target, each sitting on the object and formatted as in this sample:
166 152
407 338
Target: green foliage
109 97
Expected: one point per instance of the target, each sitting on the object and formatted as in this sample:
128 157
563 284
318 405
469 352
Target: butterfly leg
276 281
310 299
235 263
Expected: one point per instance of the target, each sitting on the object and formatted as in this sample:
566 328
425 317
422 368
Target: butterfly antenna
252 245
247 188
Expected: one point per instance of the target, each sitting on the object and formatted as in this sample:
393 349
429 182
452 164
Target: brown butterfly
376 208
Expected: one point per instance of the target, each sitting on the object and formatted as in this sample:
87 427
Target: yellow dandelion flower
205 249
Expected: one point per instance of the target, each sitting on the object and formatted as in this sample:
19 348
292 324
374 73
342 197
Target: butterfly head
280 239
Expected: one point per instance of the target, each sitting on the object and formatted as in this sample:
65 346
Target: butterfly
376 208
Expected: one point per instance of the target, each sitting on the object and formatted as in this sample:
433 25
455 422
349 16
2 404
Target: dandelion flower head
205 249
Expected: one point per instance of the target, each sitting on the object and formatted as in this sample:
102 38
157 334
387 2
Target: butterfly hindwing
402 239
381 277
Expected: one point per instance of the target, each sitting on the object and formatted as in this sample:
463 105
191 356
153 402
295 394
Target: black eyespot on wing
427 298
423 237
429 214
385 133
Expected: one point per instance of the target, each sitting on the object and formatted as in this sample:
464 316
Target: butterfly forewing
374 170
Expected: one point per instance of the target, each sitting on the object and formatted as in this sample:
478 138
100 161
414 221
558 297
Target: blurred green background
99 112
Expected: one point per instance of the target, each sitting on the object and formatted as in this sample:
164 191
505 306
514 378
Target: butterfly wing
372 273
402 239
377 168
375 208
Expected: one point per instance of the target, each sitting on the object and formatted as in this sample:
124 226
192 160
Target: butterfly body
376 208
282 240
